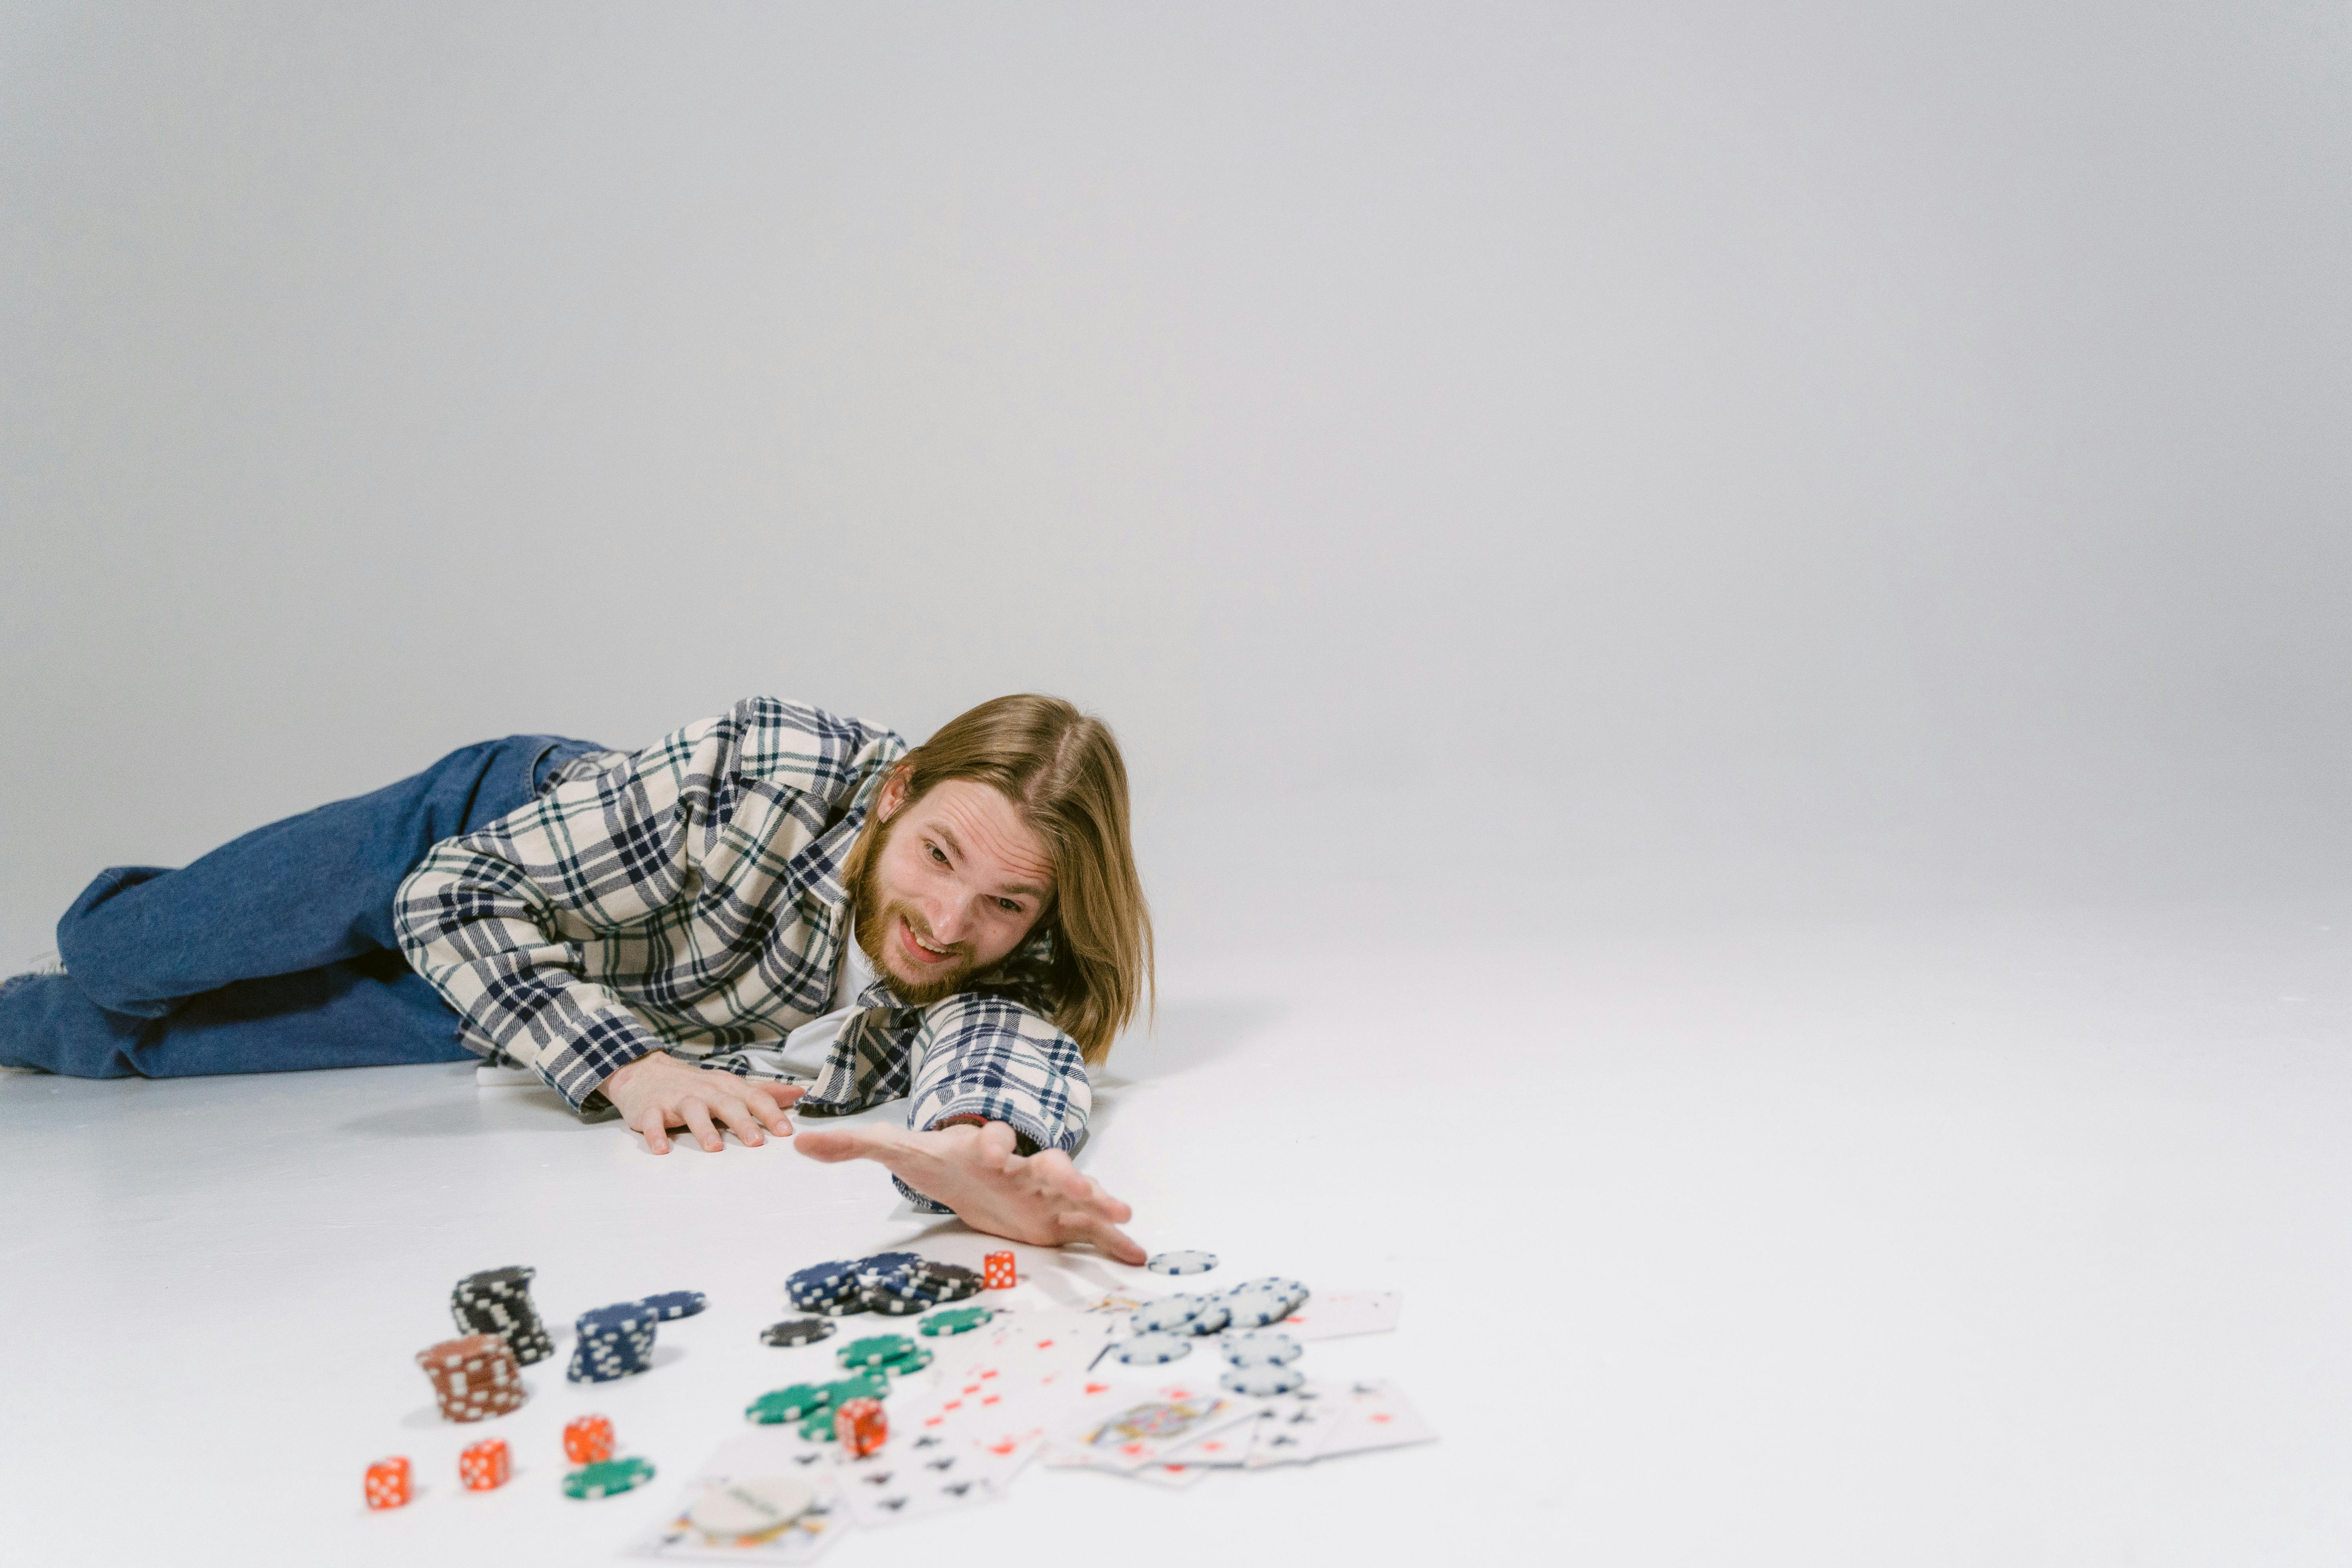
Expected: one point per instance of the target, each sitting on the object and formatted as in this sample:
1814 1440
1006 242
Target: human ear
894 793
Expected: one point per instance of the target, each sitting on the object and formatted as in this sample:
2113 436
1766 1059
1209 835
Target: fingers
698 1121
767 1102
834 1144
654 1122
742 1117
1106 1236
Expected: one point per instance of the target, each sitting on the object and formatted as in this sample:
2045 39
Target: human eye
1010 906
938 853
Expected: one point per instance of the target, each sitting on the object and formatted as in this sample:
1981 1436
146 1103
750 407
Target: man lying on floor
770 908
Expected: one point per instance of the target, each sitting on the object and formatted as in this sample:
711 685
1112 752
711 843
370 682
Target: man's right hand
658 1092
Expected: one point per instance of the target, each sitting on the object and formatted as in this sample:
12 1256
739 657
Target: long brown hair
1061 769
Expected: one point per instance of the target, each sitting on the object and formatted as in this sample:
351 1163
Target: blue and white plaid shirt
688 897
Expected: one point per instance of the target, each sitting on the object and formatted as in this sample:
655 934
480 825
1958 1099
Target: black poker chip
796 1332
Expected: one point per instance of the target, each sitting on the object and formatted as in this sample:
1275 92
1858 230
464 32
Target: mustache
921 928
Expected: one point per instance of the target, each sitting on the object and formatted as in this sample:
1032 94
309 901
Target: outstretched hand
658 1092
1040 1199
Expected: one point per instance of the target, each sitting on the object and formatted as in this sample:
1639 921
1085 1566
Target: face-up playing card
1128 1427
749 1458
903 1481
1347 1312
1368 1415
1289 1430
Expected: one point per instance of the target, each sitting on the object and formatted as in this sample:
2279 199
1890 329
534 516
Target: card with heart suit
768 1452
1368 1415
1343 1313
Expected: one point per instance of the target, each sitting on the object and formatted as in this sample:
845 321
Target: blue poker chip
674 1304
1261 1350
824 1277
1152 1350
1182 1262
1263 1380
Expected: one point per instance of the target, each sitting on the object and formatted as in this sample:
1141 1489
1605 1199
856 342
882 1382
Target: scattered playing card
1289 1430
1370 1414
1347 1312
768 1452
1128 1432
902 1482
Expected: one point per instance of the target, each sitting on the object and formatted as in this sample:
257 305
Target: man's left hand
1042 1198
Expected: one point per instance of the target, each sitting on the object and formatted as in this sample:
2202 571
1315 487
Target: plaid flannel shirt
688 897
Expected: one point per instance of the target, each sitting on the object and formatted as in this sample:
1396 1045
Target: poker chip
1182 1262
796 1403
473 1378
1261 1350
912 1361
497 1301
796 1332
818 1428
1212 1316
609 1478
613 1342
751 1505
1152 1350
822 1277
947 1282
955 1320
1293 1293
672 1304
874 1384
1263 1380
874 1351
1167 1315
1256 1308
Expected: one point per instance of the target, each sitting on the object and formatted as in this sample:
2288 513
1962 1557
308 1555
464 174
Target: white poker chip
1161 1316
1262 1350
750 1506
1291 1290
1182 1263
1256 1308
1153 1349
1212 1316
1263 1380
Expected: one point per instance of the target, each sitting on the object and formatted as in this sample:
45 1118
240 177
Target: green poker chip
955 1320
607 1479
913 1361
874 1384
874 1350
782 1404
818 1428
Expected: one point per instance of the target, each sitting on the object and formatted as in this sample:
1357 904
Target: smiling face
956 882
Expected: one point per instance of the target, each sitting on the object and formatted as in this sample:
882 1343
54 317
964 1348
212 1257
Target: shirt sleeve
980 1055
495 919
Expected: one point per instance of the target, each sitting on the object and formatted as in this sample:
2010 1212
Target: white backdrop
1744 454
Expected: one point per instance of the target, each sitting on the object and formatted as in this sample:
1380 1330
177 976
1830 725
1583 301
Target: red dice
861 1425
996 1271
387 1483
588 1441
483 1468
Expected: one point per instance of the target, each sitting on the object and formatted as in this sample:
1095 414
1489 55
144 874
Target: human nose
949 916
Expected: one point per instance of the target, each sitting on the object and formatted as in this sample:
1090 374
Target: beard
874 920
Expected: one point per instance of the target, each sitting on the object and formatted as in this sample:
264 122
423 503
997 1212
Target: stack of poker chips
497 1301
898 1284
617 1342
474 1378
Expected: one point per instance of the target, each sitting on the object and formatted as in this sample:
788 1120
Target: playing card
1346 1312
1368 1415
1290 1429
1127 1428
750 1456
901 1482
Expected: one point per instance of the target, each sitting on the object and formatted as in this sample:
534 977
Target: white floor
2018 1240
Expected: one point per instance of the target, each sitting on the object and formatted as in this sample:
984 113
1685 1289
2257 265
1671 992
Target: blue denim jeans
276 951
